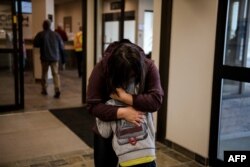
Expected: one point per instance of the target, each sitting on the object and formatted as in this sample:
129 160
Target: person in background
61 32
64 37
51 51
124 62
78 50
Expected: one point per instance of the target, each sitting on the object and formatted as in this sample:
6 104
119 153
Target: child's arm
122 96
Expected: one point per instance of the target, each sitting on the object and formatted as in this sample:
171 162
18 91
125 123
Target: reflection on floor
36 138
7 87
70 92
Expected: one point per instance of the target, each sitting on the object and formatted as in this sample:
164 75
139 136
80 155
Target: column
41 10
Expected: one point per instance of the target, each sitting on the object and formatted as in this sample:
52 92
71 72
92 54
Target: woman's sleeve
96 93
151 99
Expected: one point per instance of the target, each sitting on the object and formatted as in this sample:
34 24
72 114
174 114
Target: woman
122 62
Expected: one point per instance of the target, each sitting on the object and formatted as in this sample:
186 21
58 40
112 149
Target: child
132 144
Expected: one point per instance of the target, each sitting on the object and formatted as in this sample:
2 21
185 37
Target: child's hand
119 95
122 96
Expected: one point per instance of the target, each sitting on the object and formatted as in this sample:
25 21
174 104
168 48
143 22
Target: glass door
111 22
112 27
11 89
230 122
123 19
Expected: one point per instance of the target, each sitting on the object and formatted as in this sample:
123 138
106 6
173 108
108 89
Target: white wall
191 73
90 37
156 32
38 11
99 31
142 6
49 7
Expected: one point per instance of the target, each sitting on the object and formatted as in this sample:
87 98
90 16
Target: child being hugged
123 91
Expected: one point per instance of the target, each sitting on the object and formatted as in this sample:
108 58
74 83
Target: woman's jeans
104 155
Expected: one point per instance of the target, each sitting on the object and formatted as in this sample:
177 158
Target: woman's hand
131 115
122 96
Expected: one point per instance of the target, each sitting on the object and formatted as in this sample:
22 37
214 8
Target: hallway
70 92
36 138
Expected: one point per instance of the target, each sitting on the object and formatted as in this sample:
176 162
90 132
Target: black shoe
57 95
44 92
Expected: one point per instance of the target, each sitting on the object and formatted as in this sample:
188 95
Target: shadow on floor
79 121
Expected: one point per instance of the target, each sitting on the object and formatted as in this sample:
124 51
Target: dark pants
54 65
79 62
104 155
150 164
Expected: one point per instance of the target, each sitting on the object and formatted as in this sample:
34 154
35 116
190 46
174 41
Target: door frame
166 21
18 57
221 71
165 44
116 16
84 50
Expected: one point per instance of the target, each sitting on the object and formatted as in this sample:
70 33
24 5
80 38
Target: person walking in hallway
78 50
61 32
51 52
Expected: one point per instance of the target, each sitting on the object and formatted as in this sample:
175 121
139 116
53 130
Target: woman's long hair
124 64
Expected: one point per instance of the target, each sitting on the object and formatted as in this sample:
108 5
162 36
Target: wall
156 32
50 10
27 28
191 73
142 6
73 9
104 7
99 31
41 14
156 38
139 6
90 37
130 5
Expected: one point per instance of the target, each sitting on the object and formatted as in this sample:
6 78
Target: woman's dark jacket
148 101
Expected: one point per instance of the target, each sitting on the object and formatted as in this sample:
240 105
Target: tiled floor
38 139
35 138
71 89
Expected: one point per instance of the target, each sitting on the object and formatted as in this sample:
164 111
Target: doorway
19 88
126 19
111 27
11 67
67 15
230 122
